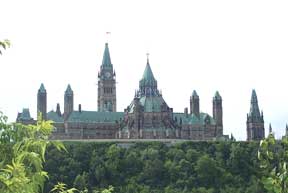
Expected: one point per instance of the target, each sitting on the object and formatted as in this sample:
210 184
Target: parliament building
148 116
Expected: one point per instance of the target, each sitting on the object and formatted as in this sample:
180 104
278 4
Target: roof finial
147 54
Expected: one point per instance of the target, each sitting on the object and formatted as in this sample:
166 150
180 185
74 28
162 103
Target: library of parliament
148 116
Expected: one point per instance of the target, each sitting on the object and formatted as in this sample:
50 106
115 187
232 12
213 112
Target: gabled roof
53 116
192 119
95 116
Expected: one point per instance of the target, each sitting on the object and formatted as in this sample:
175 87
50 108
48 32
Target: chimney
79 108
58 111
186 112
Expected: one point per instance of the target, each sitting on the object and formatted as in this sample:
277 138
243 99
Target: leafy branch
275 162
23 150
4 44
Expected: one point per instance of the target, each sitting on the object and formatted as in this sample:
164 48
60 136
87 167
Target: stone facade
147 117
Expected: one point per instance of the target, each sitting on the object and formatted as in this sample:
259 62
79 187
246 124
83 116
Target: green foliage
110 189
273 158
22 149
4 44
157 167
62 188
81 181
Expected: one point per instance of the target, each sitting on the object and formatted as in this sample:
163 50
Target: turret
194 104
42 102
68 102
255 120
217 109
270 129
58 111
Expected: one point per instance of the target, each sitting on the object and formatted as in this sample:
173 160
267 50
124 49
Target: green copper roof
149 104
42 88
217 95
148 79
25 115
106 57
254 96
194 93
254 108
148 74
69 90
95 116
53 116
152 104
192 119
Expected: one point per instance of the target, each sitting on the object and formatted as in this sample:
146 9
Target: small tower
255 120
286 132
194 104
217 109
106 84
42 102
58 111
270 129
68 102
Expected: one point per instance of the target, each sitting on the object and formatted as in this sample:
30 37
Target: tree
4 44
81 181
209 174
23 150
274 160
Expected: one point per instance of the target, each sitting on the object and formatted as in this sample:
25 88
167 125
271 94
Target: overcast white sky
230 46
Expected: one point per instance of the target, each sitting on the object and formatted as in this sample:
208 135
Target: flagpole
107 37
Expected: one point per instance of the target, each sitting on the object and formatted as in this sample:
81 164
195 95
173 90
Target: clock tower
106 84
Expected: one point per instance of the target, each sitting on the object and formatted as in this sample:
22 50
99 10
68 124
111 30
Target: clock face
107 74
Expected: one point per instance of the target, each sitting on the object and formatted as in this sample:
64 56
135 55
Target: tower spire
254 108
255 120
148 84
148 74
106 84
106 57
